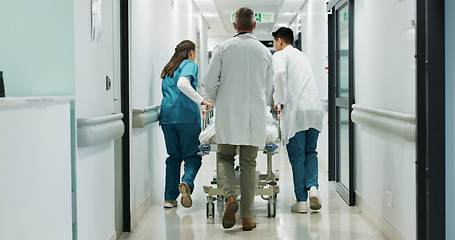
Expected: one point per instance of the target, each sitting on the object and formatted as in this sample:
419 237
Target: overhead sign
264 17
261 17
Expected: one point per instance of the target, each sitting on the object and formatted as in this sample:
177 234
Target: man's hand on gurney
207 103
276 106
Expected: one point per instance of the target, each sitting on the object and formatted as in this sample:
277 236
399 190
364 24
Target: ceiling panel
226 8
218 14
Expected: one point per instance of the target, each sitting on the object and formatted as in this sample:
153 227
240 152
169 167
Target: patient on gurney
207 136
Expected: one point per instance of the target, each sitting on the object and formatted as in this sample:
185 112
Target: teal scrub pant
304 161
182 141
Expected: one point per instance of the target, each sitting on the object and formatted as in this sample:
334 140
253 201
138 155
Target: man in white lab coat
301 117
239 81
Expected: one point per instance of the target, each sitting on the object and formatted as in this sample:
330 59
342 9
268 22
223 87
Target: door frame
347 194
430 116
125 98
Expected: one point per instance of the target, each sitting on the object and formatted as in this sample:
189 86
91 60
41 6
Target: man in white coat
301 117
239 81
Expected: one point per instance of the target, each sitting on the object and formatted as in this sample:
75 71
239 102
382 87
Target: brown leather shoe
248 224
185 191
229 212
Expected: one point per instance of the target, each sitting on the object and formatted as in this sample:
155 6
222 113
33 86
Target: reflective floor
336 220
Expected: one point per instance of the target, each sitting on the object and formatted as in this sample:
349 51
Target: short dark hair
244 19
286 34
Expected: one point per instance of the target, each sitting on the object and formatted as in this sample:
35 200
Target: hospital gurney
267 186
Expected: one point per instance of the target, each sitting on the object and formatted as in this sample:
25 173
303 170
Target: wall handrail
145 115
390 114
93 131
398 124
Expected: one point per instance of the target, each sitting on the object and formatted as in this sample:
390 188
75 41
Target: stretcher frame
267 186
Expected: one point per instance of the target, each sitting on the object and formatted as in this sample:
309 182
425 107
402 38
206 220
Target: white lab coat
295 87
239 83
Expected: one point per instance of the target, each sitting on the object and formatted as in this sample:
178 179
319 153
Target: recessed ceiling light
288 13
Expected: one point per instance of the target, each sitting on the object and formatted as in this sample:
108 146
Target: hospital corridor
335 221
227 119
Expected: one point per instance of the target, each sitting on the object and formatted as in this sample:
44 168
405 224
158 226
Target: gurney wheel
210 210
271 209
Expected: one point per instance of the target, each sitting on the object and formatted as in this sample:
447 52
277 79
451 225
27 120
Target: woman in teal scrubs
180 121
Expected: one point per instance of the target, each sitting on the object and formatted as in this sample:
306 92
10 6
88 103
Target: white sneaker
299 207
170 203
315 201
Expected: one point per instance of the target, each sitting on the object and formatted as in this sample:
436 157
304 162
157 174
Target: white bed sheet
208 135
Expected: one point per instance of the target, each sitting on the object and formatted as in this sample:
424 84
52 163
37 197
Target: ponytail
181 53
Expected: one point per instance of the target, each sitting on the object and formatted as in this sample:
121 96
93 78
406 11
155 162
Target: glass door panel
341 97
343 52
343 146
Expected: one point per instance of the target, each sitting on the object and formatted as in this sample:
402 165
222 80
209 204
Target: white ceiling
218 13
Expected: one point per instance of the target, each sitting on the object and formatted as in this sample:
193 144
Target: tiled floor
336 220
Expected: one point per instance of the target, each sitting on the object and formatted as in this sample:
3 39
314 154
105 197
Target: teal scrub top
176 107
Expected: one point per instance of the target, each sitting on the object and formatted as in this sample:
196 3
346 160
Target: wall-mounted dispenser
2 86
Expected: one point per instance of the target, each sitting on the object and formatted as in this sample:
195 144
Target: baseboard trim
387 231
113 236
140 211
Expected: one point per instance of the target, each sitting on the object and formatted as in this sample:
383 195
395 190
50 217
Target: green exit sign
258 17
261 17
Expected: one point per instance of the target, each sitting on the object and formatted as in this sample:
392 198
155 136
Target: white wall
313 19
314 41
385 79
94 60
156 28
35 169
384 55
450 118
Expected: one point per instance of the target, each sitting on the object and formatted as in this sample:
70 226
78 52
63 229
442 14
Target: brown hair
181 53
244 19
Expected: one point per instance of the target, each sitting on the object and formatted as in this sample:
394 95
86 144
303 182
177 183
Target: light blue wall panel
37 47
